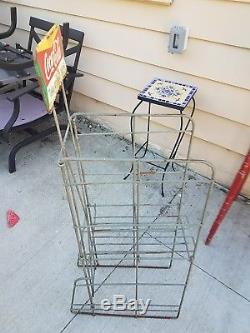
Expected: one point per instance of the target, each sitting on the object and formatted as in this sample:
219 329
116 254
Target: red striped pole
234 190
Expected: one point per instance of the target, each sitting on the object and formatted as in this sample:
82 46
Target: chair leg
26 142
31 131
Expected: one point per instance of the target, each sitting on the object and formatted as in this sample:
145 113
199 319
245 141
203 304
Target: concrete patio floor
38 260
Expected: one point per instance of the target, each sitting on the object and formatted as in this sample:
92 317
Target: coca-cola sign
52 59
50 65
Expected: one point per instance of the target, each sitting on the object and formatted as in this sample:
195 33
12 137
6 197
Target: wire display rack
131 240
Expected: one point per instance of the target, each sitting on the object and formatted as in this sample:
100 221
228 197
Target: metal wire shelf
130 239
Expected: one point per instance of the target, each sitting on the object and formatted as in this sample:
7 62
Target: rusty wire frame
132 243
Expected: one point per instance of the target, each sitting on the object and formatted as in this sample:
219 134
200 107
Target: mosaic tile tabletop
168 93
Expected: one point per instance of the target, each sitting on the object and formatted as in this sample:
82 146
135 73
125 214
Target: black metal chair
13 23
8 33
23 108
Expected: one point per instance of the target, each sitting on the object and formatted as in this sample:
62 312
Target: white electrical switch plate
178 39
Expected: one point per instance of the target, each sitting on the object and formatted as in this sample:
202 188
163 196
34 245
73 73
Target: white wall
126 46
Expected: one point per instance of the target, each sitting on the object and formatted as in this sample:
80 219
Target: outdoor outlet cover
178 39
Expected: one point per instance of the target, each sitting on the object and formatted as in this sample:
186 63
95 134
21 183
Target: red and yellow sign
50 65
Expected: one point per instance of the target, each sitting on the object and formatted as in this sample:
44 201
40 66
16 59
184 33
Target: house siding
126 46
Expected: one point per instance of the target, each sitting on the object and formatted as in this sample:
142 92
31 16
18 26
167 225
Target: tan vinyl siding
126 45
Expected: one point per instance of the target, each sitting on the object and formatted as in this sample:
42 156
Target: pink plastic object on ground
12 218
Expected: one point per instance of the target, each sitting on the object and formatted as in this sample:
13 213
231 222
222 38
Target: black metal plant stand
169 94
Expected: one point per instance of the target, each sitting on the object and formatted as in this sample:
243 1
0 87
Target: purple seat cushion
31 109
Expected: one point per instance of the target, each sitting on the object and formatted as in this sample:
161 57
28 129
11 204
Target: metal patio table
15 66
